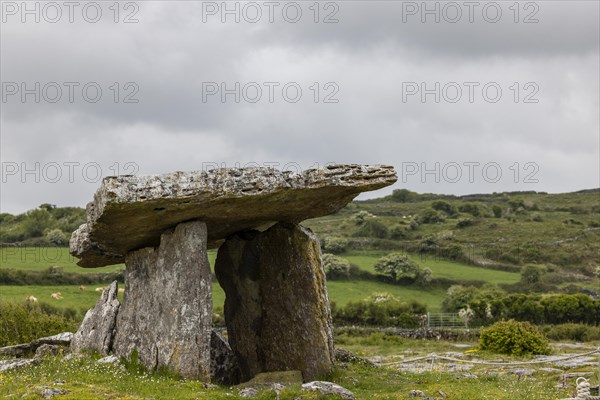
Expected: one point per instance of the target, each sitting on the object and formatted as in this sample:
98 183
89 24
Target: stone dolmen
276 308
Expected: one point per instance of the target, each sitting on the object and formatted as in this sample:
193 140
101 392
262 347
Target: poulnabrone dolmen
276 308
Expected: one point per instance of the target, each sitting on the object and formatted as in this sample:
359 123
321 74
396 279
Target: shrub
470 208
22 323
361 216
464 222
532 274
514 338
380 309
431 217
397 265
56 237
497 210
334 245
575 332
441 205
336 267
398 232
374 229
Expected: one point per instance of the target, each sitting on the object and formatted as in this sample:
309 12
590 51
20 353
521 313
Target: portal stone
97 330
276 306
166 314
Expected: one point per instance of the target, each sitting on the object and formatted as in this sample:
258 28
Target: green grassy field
439 268
39 258
340 292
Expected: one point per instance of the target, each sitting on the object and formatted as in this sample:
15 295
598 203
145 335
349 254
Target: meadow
340 292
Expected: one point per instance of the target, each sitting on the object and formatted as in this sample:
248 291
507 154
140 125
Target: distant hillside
498 230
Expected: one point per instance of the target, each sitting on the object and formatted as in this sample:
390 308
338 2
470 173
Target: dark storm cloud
367 58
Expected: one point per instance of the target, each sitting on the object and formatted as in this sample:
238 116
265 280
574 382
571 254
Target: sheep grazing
31 299
99 289
81 287
56 296
121 290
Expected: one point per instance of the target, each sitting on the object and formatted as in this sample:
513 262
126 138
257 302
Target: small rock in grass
108 360
416 393
326 388
47 350
48 392
7 365
248 392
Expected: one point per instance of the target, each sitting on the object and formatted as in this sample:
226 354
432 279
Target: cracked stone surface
97 330
131 212
276 305
166 315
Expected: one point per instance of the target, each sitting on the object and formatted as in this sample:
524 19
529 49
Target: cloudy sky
461 97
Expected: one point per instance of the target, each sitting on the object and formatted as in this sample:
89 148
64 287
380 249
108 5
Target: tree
497 210
56 237
373 228
403 195
36 221
532 274
397 265
335 267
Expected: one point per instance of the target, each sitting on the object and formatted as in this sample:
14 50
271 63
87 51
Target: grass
342 292
85 379
73 297
40 258
440 268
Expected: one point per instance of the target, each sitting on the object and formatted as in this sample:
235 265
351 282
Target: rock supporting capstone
97 331
166 314
276 306
131 212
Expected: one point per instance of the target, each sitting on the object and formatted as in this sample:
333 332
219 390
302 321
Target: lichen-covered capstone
166 315
276 305
96 332
131 212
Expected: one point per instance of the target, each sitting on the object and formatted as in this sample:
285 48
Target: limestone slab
131 212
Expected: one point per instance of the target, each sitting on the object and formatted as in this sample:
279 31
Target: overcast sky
461 97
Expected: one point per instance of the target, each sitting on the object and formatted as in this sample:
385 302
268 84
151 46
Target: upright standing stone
166 314
98 327
276 306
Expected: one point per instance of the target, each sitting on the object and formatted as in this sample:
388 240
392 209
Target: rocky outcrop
276 306
166 314
131 212
224 368
97 331
26 349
